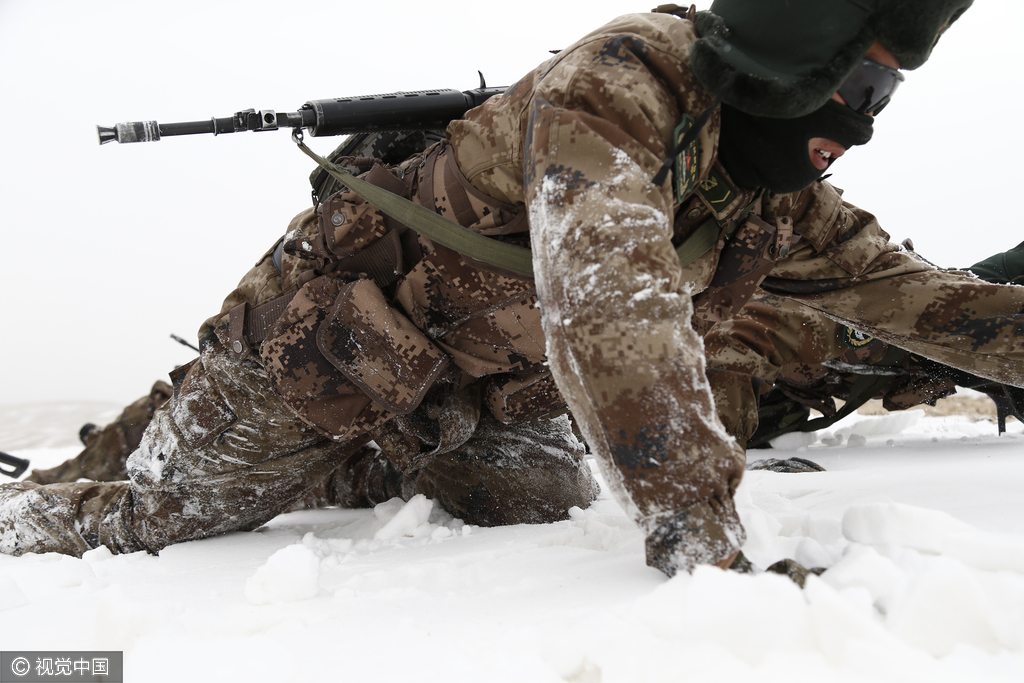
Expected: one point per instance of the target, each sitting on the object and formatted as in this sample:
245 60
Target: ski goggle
870 87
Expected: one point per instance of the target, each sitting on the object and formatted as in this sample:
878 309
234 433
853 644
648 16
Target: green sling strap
429 224
485 249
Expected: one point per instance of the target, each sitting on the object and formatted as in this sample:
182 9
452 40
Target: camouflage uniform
573 147
590 129
810 360
228 453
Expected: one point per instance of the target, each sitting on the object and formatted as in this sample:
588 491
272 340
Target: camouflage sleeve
615 308
846 268
748 351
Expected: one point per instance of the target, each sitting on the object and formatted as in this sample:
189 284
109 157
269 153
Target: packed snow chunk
400 519
947 607
934 532
841 619
289 575
53 570
96 555
752 616
328 549
864 568
990 551
10 594
857 441
882 524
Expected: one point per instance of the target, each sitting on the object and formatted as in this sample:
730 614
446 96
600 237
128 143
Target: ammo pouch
745 262
356 237
345 361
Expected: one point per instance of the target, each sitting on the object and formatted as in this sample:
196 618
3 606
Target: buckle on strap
236 330
249 325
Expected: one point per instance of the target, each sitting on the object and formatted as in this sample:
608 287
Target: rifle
399 111
424 110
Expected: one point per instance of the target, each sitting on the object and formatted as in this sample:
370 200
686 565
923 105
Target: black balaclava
772 153
774 65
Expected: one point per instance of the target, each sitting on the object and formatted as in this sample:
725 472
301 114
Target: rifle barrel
400 111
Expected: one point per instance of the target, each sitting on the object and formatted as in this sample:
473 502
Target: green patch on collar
718 193
852 339
687 162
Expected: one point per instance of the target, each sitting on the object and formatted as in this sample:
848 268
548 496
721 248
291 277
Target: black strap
17 465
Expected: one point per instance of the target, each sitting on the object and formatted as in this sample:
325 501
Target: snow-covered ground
919 520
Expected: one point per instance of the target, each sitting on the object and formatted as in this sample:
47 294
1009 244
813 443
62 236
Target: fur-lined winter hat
789 56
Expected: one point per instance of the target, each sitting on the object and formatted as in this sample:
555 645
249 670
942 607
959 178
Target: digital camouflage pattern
227 453
866 368
612 293
577 142
745 261
614 299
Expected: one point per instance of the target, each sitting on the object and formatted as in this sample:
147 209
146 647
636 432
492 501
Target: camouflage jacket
572 147
578 140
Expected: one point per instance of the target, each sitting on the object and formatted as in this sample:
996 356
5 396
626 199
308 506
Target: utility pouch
745 262
378 349
345 361
355 236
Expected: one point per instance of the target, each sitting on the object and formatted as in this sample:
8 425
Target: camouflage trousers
226 454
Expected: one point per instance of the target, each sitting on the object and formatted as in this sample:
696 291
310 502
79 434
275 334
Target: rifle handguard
420 110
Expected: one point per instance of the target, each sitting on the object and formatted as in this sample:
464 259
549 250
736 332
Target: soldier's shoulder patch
852 339
687 162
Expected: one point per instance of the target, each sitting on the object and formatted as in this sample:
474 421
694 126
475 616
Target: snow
920 527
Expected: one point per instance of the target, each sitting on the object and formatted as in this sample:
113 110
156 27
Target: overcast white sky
109 250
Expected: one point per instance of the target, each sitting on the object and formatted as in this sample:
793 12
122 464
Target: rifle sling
699 242
250 325
480 247
447 233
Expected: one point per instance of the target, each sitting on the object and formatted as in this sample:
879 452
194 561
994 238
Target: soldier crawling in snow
454 369
817 361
